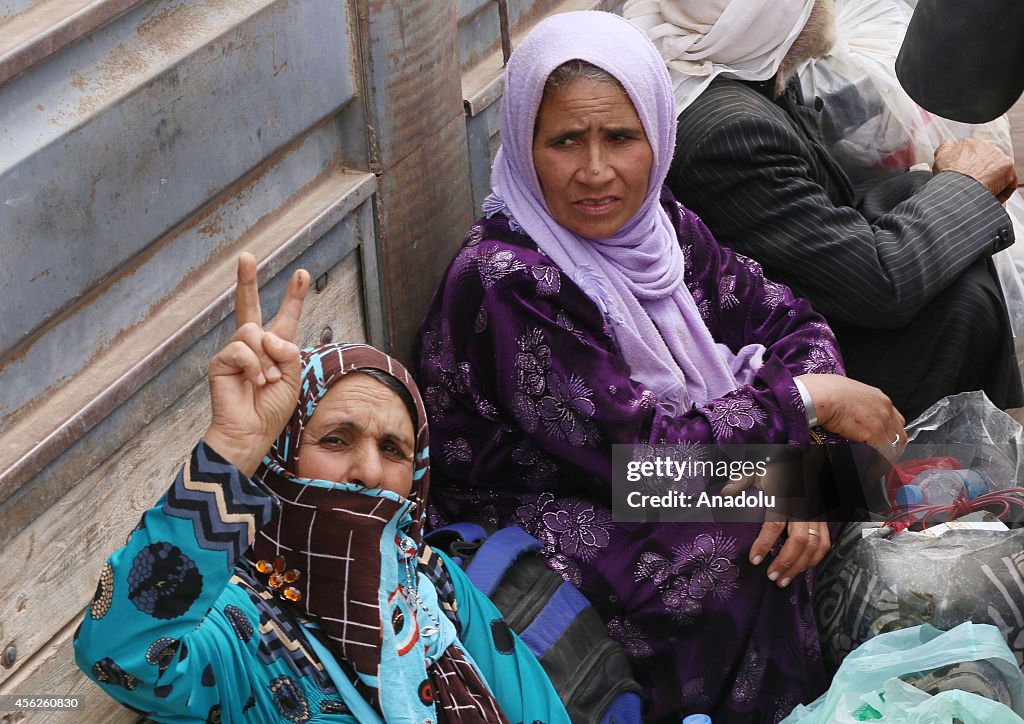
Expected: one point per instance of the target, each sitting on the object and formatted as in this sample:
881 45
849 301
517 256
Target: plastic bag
907 704
1009 263
901 702
875 585
971 429
868 685
871 126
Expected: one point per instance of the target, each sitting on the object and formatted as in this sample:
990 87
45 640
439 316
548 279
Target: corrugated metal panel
33 31
142 146
131 163
102 152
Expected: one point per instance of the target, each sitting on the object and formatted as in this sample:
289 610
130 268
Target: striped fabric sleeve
754 181
225 507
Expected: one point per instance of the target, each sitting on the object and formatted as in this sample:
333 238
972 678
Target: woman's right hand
254 379
858 412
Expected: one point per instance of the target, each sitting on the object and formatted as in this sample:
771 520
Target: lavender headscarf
636 276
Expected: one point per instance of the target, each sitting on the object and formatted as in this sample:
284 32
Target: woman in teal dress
293 585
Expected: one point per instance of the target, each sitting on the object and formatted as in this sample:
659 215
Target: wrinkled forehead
606 72
580 85
603 40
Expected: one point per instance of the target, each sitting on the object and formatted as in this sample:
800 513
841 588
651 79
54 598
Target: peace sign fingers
248 314
254 379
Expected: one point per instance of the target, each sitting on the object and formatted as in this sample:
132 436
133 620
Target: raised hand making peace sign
254 379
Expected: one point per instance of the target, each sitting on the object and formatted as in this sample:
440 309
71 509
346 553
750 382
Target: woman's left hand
860 413
806 544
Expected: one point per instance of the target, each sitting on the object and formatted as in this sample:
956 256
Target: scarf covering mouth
702 39
636 276
358 551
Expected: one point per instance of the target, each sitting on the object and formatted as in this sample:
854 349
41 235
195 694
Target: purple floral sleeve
740 306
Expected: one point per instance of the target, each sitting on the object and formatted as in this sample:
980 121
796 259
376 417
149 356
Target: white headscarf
701 39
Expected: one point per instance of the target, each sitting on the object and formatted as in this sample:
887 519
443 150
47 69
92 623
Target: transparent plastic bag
971 429
868 685
909 705
873 585
1009 266
871 126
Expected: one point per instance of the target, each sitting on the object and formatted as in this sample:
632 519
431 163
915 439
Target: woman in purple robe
587 309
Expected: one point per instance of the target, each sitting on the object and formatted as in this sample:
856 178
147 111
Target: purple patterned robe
526 393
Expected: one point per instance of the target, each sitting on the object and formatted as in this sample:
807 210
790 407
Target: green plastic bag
904 703
868 685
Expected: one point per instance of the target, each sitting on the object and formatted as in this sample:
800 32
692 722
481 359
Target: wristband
805 397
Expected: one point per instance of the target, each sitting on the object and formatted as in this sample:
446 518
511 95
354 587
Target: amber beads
278 575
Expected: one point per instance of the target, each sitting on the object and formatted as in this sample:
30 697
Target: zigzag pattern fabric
280 635
431 565
225 507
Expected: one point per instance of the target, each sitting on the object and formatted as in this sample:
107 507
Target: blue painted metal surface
133 162
110 145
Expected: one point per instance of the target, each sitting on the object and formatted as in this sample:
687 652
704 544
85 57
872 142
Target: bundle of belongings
943 565
870 124
940 559
874 129
882 680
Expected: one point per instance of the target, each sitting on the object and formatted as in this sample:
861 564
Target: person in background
283 577
900 268
588 309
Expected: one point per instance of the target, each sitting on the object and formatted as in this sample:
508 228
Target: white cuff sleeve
805 397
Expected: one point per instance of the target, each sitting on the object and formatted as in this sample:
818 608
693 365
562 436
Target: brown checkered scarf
355 549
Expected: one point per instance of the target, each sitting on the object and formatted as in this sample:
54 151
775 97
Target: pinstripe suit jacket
755 171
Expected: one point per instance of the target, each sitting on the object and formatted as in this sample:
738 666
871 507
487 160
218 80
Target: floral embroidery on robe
511 335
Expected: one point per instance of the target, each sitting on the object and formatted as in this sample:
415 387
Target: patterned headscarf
358 551
702 39
636 276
